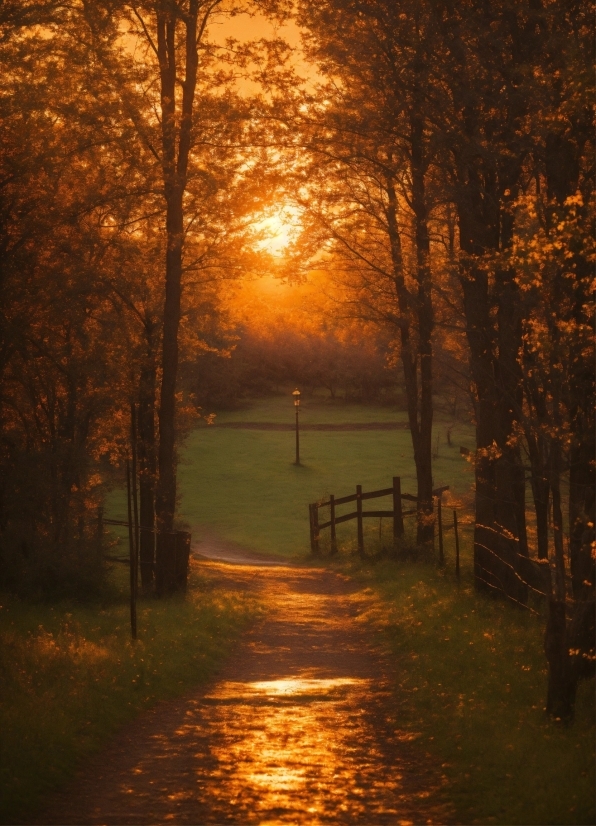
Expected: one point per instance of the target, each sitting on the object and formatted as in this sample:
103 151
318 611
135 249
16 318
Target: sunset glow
277 230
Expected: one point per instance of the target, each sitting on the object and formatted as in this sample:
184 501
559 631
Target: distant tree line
272 363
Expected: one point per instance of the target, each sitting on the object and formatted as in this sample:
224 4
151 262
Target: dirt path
295 729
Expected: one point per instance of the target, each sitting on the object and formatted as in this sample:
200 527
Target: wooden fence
172 573
170 552
397 513
164 558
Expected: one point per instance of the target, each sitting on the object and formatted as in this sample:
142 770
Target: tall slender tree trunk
488 571
510 499
477 234
582 513
569 645
410 360
562 681
582 468
166 489
147 458
425 529
541 492
176 142
495 343
538 452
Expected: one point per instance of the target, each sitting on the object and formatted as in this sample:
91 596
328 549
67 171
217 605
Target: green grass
70 675
471 688
244 485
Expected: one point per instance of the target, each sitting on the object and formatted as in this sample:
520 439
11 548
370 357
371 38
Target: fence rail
121 523
397 513
176 552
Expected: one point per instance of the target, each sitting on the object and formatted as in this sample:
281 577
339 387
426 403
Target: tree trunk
499 531
422 458
166 489
561 684
570 649
541 492
488 572
176 142
425 527
555 486
581 512
510 497
147 460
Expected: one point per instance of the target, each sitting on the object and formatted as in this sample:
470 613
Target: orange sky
246 27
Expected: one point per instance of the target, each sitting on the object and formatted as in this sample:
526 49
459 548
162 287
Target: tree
371 136
58 389
191 156
555 263
83 216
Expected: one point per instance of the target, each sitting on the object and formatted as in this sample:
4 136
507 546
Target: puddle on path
296 731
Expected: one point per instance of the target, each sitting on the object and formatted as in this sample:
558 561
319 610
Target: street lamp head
296 394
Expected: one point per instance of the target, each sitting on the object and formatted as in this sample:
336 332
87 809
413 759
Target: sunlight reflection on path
297 730
303 751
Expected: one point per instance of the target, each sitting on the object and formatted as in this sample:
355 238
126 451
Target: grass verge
70 675
471 686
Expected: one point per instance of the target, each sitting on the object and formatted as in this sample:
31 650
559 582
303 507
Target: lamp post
296 394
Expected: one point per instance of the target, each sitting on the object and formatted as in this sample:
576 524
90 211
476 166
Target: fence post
359 515
332 518
131 549
456 543
135 503
315 528
311 524
440 521
398 517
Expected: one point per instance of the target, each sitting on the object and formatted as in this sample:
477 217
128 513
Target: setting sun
277 230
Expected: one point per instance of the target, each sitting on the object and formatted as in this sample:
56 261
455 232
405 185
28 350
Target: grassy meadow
70 675
244 483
